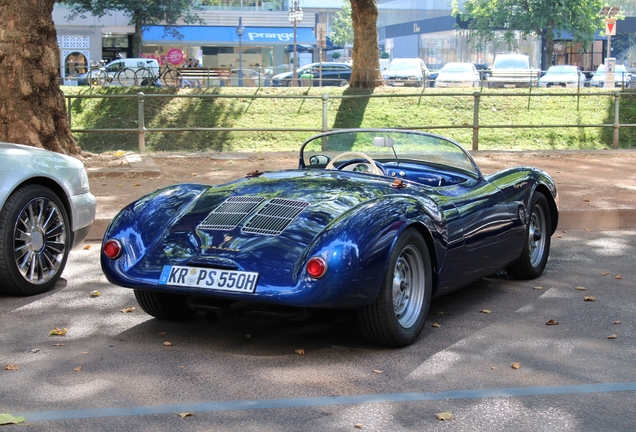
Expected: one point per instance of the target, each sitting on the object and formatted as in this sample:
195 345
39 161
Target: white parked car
457 74
406 72
562 76
46 209
622 78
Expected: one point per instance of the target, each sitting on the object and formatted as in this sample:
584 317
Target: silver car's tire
397 316
35 240
536 249
165 306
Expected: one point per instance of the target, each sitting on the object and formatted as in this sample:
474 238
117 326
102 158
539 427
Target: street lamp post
240 31
295 16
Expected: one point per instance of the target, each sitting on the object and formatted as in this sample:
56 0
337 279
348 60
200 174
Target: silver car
46 209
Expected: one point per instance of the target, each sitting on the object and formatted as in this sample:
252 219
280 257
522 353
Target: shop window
75 63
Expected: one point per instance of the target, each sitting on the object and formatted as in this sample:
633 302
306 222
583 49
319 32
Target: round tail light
112 249
316 267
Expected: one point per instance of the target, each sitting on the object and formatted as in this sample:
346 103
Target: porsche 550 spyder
379 221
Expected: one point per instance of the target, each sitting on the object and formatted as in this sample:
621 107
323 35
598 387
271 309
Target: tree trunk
137 36
366 54
32 109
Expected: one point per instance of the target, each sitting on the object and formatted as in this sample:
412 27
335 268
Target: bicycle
146 76
102 76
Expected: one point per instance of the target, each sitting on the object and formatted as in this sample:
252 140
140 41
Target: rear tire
143 77
536 249
126 77
171 78
397 316
164 306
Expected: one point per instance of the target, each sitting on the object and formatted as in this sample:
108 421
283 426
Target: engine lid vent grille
274 217
230 213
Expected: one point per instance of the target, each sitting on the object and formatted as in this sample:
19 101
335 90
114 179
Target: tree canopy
544 18
342 26
148 12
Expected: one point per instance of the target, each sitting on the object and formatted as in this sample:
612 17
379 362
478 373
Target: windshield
562 69
511 63
385 145
457 67
399 64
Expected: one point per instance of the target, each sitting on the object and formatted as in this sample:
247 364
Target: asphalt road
112 371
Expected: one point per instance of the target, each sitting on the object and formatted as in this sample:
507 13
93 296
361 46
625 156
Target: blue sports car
373 220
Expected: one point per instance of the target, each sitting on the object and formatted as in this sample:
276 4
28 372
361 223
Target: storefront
218 47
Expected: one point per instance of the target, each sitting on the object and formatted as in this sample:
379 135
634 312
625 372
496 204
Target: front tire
397 316
536 249
35 240
165 306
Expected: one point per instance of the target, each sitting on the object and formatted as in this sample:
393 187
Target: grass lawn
280 108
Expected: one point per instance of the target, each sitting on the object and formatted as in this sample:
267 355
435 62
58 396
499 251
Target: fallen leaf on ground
358 426
300 351
167 344
559 236
494 368
11 367
78 369
581 288
486 311
605 273
378 371
137 184
552 322
85 352
589 298
445 416
162 333
618 277
6 419
95 293
180 367
58 332
586 229
538 288
247 335
58 345
128 310
616 322
185 414
613 336
515 365
87 247
586 200
435 325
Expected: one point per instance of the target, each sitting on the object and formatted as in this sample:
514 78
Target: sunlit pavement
112 371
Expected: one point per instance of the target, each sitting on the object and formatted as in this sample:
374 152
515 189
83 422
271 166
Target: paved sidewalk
597 189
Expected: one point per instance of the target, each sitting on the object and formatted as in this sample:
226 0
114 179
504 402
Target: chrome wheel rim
536 235
408 286
39 239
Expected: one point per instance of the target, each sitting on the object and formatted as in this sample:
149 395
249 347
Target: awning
208 35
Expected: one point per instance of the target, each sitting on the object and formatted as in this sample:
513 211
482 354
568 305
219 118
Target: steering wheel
373 168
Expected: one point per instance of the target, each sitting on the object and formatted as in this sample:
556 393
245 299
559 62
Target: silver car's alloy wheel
408 286
39 241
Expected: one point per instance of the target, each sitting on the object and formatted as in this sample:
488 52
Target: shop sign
175 56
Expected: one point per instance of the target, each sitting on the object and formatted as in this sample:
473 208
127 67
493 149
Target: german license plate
509 86
398 84
216 279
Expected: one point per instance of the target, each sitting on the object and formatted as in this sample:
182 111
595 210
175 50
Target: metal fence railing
322 118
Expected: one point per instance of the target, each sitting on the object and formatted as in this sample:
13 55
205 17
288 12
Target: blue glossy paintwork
473 227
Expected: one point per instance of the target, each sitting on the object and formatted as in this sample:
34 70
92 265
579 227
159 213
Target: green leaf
6 419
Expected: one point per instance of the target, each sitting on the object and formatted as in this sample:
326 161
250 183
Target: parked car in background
46 209
457 74
406 72
512 70
562 76
622 78
333 74
374 221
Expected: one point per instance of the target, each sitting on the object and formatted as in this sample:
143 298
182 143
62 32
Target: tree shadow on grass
159 112
351 111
